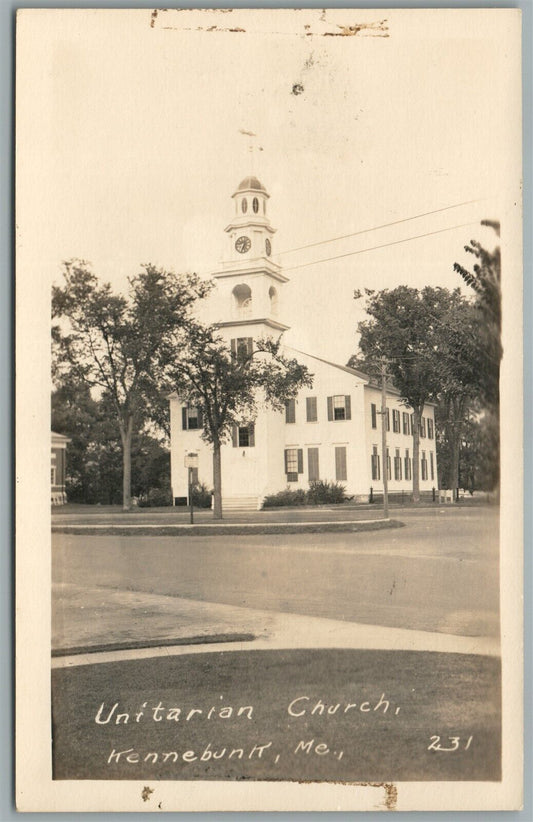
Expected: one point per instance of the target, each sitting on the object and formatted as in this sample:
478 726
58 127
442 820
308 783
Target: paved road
438 573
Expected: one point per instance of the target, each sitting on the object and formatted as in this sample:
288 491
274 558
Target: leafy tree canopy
120 344
229 387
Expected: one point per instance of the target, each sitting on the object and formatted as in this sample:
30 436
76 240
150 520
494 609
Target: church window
395 421
405 417
397 465
294 463
340 463
407 465
430 430
311 409
290 411
242 348
244 205
424 466
375 463
244 436
339 407
242 300
312 464
255 205
191 418
373 413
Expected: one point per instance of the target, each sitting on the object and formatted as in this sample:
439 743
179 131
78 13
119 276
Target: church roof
251 183
345 368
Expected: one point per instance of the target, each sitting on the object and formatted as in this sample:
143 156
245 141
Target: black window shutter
251 435
330 408
200 418
348 406
235 436
184 418
290 411
300 460
286 460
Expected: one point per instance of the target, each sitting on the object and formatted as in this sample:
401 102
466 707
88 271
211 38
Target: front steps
240 504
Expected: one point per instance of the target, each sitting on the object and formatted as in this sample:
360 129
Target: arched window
244 205
255 205
273 295
242 300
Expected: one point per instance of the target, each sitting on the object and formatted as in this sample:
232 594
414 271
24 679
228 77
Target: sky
130 130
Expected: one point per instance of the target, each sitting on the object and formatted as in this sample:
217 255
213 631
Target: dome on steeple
251 184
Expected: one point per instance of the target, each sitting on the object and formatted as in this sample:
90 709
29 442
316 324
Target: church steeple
250 232
250 281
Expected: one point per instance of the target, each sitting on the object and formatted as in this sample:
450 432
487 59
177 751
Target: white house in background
330 432
58 468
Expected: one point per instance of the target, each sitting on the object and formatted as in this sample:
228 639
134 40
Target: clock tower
249 281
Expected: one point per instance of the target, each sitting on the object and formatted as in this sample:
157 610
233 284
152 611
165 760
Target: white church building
331 431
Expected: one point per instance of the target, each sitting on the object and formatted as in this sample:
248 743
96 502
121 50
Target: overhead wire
382 245
383 225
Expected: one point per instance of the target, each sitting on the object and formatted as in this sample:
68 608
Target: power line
383 225
383 245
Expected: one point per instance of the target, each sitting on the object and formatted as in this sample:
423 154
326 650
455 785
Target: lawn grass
438 695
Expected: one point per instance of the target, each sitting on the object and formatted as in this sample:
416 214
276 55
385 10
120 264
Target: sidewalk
90 623
176 521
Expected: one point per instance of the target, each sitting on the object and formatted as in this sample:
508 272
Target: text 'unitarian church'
329 432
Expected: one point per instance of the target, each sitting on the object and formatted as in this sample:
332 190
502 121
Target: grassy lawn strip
319 714
235 530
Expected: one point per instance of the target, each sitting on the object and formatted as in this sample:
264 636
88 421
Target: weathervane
251 146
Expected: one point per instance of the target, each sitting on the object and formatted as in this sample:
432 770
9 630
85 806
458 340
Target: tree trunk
126 436
454 468
455 436
217 481
416 451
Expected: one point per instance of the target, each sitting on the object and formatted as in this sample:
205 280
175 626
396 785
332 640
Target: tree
485 281
479 467
229 387
117 344
94 453
408 329
460 378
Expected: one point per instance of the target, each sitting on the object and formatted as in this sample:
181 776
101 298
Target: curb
219 529
133 645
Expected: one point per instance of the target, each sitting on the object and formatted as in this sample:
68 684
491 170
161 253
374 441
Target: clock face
243 244
268 247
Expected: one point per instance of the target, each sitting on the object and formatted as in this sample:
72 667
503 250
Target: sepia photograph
269 426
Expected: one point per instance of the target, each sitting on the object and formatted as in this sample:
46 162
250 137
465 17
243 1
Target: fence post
433 491
371 495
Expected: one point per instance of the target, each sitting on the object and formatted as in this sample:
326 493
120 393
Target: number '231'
451 743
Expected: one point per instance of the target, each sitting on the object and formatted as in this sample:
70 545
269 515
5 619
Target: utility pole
384 459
